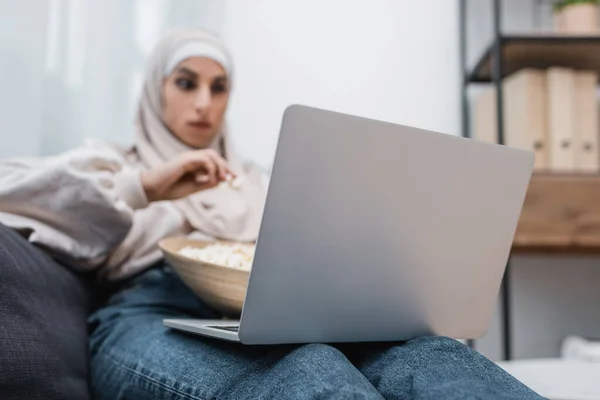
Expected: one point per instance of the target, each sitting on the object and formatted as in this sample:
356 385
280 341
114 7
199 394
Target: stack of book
552 112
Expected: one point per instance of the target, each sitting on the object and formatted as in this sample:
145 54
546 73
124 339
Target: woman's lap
135 356
169 365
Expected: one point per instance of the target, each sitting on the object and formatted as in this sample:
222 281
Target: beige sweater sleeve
79 204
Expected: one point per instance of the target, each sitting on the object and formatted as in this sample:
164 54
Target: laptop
374 231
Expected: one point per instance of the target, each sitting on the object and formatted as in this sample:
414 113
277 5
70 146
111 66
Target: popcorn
237 255
232 183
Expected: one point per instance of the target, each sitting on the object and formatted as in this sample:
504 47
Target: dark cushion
43 334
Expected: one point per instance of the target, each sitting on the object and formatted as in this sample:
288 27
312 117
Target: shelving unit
561 214
538 51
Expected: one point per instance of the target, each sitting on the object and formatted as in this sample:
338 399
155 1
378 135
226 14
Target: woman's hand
189 173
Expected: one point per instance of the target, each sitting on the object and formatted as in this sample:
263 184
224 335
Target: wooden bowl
221 287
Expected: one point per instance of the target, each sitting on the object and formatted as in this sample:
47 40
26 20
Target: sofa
43 333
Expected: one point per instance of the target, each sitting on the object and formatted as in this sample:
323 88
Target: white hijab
222 212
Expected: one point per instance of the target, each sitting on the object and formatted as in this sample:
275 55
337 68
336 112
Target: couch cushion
43 333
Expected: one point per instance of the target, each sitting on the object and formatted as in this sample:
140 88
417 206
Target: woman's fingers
202 178
212 171
190 172
223 167
200 170
202 166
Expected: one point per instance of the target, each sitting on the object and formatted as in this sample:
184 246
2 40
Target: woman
104 209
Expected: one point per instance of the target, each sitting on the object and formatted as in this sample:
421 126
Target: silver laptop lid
375 231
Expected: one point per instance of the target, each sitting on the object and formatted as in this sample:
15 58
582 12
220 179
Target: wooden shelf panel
561 213
540 51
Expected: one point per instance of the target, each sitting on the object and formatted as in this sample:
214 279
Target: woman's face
195 98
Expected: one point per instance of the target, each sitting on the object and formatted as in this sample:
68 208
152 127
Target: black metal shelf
538 51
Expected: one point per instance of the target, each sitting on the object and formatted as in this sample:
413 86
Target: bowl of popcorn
217 272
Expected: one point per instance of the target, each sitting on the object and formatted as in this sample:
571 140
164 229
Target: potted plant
576 16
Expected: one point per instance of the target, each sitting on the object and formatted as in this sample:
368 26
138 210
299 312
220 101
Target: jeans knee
439 342
317 352
323 371
318 360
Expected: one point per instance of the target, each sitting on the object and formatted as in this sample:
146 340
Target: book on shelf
552 112
587 154
525 114
561 118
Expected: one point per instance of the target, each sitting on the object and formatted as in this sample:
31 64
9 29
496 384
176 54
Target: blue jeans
133 356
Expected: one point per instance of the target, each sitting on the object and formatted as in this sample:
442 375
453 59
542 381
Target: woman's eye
218 88
185 84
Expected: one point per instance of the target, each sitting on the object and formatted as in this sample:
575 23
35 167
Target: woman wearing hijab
104 209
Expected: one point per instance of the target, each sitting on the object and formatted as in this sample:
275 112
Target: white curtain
71 69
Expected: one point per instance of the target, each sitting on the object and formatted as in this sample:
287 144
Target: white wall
551 298
395 60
